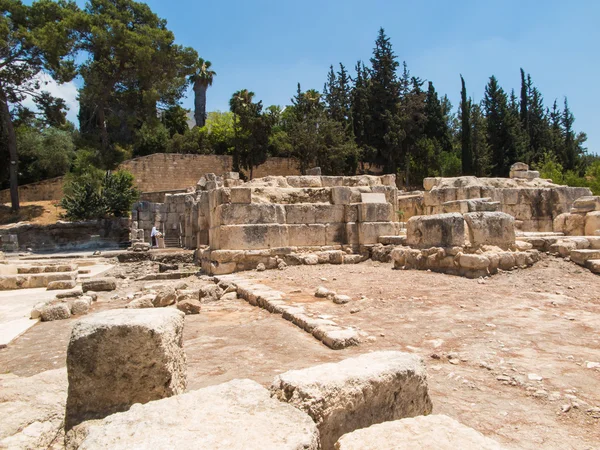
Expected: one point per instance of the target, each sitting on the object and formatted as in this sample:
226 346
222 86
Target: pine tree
523 113
495 106
569 147
360 113
465 131
481 155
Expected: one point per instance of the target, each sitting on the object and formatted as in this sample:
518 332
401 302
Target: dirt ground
507 356
42 212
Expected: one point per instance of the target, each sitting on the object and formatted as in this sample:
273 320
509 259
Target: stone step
30 281
593 265
581 256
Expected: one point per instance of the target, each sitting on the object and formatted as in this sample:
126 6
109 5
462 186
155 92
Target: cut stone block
587 204
357 392
440 230
375 212
491 228
593 265
256 213
373 198
418 433
582 256
61 284
120 357
592 223
237 415
341 195
57 311
252 237
99 284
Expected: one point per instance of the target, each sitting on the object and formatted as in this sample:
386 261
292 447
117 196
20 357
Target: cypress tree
495 106
465 130
360 112
481 156
570 148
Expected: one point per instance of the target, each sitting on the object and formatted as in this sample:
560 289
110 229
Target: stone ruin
132 396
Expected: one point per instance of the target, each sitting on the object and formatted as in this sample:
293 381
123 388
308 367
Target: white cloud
66 91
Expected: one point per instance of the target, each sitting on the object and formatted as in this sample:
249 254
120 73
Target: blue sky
267 46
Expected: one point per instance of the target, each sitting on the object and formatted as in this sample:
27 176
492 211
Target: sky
268 46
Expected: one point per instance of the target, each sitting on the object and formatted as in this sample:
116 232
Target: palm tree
201 80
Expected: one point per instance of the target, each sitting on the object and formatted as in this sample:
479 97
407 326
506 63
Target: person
153 235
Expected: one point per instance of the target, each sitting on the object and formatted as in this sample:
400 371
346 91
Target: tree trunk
12 151
103 130
200 103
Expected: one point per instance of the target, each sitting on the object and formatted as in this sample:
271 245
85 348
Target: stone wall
46 190
71 235
173 171
534 203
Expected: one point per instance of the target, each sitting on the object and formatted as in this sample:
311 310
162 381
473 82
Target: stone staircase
172 241
589 258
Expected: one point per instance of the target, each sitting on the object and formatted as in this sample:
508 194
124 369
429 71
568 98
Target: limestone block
570 224
519 166
166 296
121 357
237 415
99 284
440 230
375 212
430 183
307 235
418 433
369 232
335 234
332 181
582 256
307 213
252 237
357 392
81 306
491 228
341 195
473 192
306 181
351 212
241 195
587 204
61 284
592 223
474 262
511 196
189 306
145 216
246 214
57 311
146 301
352 236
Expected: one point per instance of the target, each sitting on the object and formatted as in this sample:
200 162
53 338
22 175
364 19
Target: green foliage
593 177
175 120
44 153
91 197
550 168
152 138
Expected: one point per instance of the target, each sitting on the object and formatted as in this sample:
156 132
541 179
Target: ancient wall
171 171
533 202
46 190
71 235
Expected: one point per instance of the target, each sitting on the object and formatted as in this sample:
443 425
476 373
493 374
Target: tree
201 79
495 107
252 129
360 112
465 131
479 145
119 193
175 119
132 67
34 39
570 148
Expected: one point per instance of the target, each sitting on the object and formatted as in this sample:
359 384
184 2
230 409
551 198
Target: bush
87 198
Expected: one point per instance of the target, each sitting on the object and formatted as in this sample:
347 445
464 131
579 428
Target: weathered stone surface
162 268
99 284
335 395
120 357
375 212
57 311
210 293
474 262
323 292
581 256
61 284
146 301
241 195
165 297
81 306
570 224
440 230
587 204
491 228
238 415
190 306
341 299
32 409
592 223
78 292
418 433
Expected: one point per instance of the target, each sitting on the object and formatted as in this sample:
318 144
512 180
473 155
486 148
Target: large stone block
587 204
99 284
341 195
305 181
369 232
570 224
375 212
307 213
419 433
491 228
251 237
592 223
307 235
440 230
241 195
121 357
357 392
255 213
237 415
